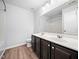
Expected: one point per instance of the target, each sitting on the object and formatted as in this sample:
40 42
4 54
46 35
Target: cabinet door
45 49
38 47
52 51
33 42
63 53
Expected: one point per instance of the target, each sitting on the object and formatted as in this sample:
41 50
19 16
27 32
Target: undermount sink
63 39
47 35
70 39
53 37
58 38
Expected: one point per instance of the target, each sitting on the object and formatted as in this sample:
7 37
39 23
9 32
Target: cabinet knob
48 45
52 47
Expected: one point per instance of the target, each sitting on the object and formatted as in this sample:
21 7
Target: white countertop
69 42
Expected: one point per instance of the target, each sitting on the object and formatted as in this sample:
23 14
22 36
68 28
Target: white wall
2 27
18 26
39 23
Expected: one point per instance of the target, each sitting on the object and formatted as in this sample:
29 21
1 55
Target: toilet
28 42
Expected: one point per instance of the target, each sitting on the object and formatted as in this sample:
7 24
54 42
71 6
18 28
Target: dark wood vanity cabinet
61 54
33 42
45 49
64 53
48 50
36 45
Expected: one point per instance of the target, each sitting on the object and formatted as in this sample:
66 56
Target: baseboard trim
15 45
2 54
20 44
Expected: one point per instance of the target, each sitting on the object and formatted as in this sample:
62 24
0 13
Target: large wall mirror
70 20
61 20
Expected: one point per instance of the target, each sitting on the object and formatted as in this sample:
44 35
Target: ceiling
33 4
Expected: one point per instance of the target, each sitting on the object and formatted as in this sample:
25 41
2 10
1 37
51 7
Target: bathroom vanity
51 44
51 47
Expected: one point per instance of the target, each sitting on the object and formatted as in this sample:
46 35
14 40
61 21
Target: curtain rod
4 5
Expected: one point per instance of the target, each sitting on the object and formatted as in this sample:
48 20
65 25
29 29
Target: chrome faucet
42 33
59 36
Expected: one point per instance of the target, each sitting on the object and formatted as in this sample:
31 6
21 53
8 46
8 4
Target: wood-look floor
21 52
